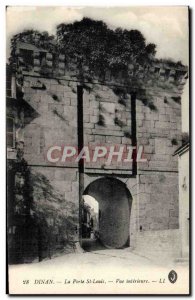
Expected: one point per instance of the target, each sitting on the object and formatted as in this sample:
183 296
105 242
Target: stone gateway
138 201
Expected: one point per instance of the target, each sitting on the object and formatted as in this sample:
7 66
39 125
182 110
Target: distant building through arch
114 210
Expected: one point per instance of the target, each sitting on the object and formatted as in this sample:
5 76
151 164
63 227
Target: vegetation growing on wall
39 39
51 207
93 47
93 50
97 48
43 212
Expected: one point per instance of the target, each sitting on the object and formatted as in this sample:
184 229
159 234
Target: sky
91 202
167 27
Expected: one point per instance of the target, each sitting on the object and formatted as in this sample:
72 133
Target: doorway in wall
105 217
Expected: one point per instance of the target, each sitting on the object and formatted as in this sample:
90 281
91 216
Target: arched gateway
113 112
114 210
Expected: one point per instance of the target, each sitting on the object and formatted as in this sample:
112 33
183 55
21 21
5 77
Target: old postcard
98 150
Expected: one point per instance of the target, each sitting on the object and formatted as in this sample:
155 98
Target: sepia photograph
98 150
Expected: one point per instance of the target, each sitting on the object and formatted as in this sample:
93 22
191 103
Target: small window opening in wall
27 57
43 59
140 228
9 84
12 230
56 62
157 70
10 132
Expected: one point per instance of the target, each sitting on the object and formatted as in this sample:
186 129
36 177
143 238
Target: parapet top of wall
39 62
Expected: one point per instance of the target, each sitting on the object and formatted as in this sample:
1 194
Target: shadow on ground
92 245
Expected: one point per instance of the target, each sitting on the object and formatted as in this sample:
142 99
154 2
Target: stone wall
107 120
160 245
107 123
56 124
55 103
159 130
158 201
184 201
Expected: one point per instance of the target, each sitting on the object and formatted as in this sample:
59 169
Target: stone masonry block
160 146
94 104
144 141
88 125
164 118
94 119
73 102
148 149
113 139
85 104
66 101
100 139
60 174
86 118
162 125
89 138
107 132
88 130
96 112
126 141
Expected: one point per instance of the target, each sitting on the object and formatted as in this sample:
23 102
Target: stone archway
114 210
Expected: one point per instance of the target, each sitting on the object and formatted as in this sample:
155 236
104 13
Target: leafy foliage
52 213
39 206
50 202
92 44
93 47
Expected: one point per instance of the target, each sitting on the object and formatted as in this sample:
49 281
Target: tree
92 48
91 43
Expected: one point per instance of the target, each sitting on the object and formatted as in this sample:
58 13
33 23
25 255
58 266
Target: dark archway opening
105 215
